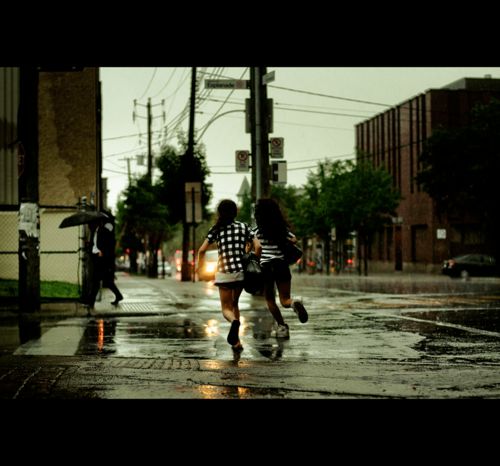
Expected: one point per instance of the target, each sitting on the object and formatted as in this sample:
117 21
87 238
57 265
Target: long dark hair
270 219
227 211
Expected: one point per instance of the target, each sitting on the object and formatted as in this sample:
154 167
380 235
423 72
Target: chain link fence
61 253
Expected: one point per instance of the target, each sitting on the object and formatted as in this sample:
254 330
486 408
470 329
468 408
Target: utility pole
188 172
253 140
264 110
150 154
260 133
149 118
29 216
150 258
129 175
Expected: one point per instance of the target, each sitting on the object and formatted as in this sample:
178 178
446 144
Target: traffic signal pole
260 137
257 134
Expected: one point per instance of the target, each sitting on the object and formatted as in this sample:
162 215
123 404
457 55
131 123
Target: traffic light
278 171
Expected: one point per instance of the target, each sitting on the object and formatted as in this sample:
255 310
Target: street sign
242 161
277 146
268 77
227 84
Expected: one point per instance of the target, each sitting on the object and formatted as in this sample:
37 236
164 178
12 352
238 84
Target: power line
121 137
147 88
323 113
166 84
300 91
279 107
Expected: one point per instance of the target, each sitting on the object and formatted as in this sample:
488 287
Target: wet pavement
367 337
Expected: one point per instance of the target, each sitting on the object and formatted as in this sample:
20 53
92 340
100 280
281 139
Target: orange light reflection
100 335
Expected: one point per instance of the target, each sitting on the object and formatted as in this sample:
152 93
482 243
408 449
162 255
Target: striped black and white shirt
231 240
270 249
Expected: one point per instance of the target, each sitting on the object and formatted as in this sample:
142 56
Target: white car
168 269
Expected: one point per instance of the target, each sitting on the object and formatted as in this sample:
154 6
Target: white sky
308 137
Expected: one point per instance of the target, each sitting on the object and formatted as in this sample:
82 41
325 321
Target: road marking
446 324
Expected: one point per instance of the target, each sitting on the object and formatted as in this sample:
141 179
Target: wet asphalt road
168 340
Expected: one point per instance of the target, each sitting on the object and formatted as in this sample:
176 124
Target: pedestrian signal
278 172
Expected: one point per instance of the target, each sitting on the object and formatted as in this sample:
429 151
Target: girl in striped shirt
272 230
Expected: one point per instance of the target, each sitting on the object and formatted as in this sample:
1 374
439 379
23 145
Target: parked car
210 265
168 269
470 265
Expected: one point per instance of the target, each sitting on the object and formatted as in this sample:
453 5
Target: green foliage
55 289
149 214
141 214
361 198
245 210
143 209
48 289
460 167
288 199
176 169
345 195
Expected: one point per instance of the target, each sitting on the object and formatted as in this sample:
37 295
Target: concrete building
69 166
418 240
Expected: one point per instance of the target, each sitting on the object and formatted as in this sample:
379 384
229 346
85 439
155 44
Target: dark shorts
276 271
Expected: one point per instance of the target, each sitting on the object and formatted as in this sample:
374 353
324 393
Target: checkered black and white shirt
231 240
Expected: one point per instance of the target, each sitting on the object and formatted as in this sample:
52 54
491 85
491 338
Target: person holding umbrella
103 260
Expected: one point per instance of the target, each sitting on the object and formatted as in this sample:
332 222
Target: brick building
418 240
69 166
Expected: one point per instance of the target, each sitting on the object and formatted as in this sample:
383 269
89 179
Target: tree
312 214
245 209
175 171
144 221
460 168
349 197
361 198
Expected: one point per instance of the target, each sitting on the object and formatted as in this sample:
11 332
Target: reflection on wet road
342 325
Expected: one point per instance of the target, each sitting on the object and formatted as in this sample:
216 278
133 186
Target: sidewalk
399 283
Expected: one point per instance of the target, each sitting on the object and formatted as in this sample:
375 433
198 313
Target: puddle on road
471 335
485 319
120 337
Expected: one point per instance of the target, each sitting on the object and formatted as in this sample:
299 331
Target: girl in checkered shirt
232 238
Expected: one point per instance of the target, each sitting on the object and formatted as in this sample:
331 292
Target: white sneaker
282 331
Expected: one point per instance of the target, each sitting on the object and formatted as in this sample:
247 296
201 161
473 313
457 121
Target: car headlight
209 268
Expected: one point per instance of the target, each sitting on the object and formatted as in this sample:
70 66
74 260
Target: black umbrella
81 218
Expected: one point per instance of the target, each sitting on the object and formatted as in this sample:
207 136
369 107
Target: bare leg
287 301
272 306
229 299
230 310
284 289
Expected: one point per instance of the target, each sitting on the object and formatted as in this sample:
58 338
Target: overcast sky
313 127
